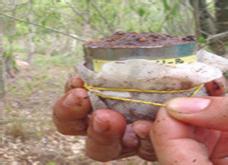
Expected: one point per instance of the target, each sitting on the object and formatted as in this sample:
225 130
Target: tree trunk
31 44
1 65
10 32
221 11
221 7
203 20
2 84
206 24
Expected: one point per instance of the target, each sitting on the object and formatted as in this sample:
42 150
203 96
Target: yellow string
197 89
89 87
96 89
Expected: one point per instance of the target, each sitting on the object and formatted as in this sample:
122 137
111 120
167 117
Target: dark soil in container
133 39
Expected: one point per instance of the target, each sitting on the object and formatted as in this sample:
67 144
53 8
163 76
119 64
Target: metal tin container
178 52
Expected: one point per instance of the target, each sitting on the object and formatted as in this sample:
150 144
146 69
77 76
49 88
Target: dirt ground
27 132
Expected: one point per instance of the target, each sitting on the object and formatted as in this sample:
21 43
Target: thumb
207 112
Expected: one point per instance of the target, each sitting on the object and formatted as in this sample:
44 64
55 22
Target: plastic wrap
147 75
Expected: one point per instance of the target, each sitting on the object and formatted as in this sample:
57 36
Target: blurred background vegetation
41 41
58 27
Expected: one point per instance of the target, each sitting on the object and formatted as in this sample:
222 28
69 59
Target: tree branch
77 13
109 26
85 19
218 37
45 27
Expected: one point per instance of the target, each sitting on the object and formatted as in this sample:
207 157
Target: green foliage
166 5
89 19
98 17
201 40
22 29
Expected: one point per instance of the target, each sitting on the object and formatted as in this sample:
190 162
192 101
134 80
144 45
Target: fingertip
108 122
216 87
186 105
208 112
105 132
130 140
74 82
77 82
73 105
100 122
142 128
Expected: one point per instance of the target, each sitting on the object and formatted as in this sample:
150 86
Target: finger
220 154
146 150
70 112
216 87
130 142
74 82
105 133
73 105
77 127
174 142
208 112
142 128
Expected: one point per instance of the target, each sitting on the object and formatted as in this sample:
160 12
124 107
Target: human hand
109 137
192 131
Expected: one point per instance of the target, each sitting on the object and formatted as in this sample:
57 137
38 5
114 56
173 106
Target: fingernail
188 105
100 124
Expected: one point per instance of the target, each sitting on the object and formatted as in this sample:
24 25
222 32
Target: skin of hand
109 137
192 131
